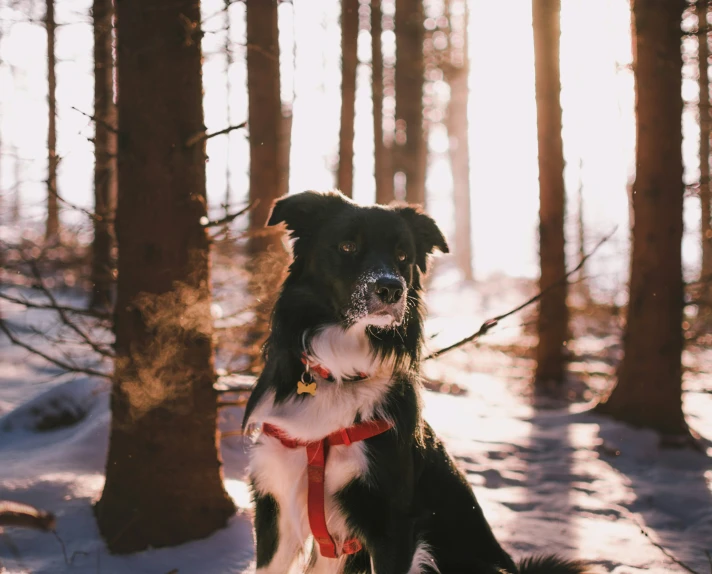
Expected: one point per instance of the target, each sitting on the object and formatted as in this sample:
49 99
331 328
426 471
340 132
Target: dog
346 476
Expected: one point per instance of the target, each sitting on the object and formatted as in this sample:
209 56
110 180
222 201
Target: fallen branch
661 547
65 366
490 323
21 515
231 216
204 135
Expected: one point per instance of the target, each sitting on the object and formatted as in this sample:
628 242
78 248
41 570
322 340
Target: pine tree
52 224
349 63
163 472
105 155
649 389
552 323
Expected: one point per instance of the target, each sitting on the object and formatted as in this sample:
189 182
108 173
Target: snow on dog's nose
386 301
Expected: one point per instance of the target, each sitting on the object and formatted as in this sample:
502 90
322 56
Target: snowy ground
550 480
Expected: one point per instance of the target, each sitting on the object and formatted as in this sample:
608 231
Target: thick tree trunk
105 153
349 62
457 72
265 117
384 192
285 149
552 324
649 390
705 195
163 473
410 143
52 225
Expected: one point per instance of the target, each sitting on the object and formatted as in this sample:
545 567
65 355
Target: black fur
415 492
266 516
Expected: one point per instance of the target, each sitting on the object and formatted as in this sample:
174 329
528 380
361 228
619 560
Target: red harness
317 451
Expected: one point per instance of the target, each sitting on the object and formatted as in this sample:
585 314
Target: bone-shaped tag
303 388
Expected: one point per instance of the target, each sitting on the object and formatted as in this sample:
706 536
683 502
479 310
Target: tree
457 70
265 117
163 472
552 323
705 194
411 150
349 62
228 103
105 155
52 224
383 170
649 389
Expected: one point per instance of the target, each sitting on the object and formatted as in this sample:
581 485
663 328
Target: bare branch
202 136
96 120
96 347
231 216
66 309
57 362
489 323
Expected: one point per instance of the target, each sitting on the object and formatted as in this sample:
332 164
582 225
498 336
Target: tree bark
377 97
410 143
228 106
704 110
649 389
265 118
457 72
105 153
163 474
52 224
552 323
349 62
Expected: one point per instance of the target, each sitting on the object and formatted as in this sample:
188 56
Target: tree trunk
705 195
379 147
410 144
349 62
265 117
649 390
105 153
552 323
285 149
228 103
457 72
52 226
163 473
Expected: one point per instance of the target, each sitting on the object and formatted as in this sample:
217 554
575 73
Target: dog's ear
303 212
427 234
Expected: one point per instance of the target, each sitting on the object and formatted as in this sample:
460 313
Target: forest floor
555 478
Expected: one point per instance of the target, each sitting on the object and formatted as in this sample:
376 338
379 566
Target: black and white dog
346 475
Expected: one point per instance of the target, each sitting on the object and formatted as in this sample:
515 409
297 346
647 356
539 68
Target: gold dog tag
303 388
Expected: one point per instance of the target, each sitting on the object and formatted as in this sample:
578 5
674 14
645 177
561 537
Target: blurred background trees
415 100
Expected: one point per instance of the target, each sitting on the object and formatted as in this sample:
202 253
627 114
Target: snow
557 479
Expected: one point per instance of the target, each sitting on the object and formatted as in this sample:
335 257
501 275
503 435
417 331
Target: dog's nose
389 290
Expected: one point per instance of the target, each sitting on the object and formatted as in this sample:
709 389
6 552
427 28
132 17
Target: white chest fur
282 472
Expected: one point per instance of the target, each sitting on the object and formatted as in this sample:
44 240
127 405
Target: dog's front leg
276 543
387 533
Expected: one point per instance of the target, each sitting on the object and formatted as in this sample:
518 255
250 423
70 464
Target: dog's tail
552 565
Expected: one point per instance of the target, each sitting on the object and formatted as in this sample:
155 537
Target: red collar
317 452
323 373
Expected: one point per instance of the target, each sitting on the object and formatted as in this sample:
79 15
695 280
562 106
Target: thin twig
57 362
661 547
96 120
490 323
231 216
96 347
204 135
78 311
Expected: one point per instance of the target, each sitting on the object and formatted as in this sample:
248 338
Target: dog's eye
401 255
347 247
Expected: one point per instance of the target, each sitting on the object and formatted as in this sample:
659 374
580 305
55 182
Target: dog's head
361 261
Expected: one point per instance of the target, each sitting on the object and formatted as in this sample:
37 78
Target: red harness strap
317 452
